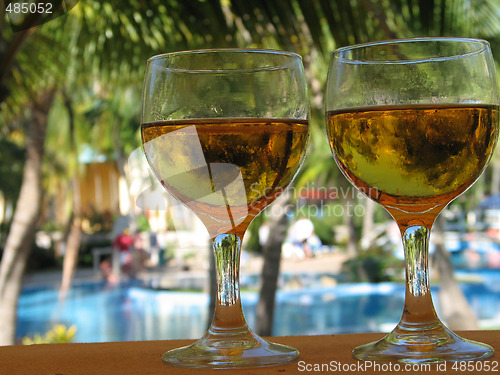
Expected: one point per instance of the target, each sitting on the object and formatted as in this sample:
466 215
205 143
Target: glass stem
418 312
228 312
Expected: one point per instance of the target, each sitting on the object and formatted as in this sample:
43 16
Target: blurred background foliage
92 60
59 334
95 58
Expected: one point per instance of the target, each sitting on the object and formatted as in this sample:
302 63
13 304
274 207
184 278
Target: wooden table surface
325 354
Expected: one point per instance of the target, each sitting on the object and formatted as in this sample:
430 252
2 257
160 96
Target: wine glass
225 131
412 123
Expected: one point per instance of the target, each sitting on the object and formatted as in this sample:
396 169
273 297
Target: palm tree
56 56
23 87
321 25
37 62
26 217
106 43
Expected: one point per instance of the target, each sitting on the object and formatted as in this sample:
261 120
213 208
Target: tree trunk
73 234
120 163
9 51
271 266
495 178
348 193
70 261
352 239
26 216
368 223
454 308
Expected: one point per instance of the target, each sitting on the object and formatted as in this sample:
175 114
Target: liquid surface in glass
225 170
413 158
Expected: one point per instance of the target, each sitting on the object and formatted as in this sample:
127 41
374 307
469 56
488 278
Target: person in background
300 234
124 242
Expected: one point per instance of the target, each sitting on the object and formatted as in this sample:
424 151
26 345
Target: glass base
231 350
436 345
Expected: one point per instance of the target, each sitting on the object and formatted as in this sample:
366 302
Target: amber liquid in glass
413 159
225 170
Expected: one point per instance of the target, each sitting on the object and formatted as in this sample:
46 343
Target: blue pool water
133 312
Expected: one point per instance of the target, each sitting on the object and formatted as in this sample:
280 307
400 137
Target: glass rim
206 51
339 52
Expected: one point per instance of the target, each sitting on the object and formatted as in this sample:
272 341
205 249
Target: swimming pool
131 311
